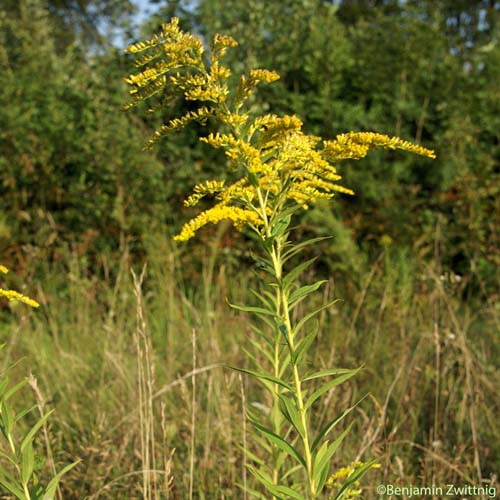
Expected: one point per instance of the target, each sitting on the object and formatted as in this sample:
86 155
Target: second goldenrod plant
278 170
19 465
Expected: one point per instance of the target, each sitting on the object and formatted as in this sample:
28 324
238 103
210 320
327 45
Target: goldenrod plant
278 170
19 466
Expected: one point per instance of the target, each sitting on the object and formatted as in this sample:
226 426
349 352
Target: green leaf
280 443
280 492
290 471
266 480
28 463
9 458
3 385
322 460
254 309
51 488
285 363
261 312
14 389
303 292
306 318
303 346
331 425
281 226
326 373
300 246
355 476
290 493
289 278
269 305
31 434
23 413
261 376
253 493
7 418
11 486
263 444
329 385
292 415
252 456
263 336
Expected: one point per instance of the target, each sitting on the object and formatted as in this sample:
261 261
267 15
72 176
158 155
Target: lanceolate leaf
50 491
322 460
292 415
4 382
289 279
28 463
251 456
280 492
303 292
14 389
331 425
280 443
289 493
10 485
303 346
259 348
329 385
262 376
269 302
263 313
266 480
253 493
327 373
31 434
281 226
307 317
299 246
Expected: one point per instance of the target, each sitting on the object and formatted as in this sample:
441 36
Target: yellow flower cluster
13 295
200 115
279 165
336 480
356 145
240 217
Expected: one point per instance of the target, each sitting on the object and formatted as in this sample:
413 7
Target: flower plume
279 167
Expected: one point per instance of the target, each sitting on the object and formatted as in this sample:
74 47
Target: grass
113 354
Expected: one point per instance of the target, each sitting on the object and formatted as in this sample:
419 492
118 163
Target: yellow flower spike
356 145
240 217
202 190
13 295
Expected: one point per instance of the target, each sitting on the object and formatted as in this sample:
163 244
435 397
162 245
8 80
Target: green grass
123 395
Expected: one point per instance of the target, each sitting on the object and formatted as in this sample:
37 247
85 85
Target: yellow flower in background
277 166
13 295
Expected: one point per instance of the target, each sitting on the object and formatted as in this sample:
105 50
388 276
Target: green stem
300 399
283 311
